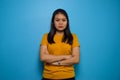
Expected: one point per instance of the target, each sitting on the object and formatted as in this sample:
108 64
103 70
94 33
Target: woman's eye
64 20
57 20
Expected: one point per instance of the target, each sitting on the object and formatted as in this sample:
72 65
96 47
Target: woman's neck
59 33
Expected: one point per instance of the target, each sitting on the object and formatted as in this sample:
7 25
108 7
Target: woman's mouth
60 26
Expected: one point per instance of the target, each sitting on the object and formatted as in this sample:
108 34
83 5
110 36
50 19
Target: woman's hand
57 63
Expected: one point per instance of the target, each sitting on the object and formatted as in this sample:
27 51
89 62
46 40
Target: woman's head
60 20
60 23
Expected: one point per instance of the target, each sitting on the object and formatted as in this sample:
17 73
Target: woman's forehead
60 15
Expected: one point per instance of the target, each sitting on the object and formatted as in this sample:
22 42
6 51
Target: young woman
60 49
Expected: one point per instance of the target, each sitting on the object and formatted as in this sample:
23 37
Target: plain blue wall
96 23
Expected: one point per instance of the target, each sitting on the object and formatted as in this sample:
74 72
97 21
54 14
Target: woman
59 49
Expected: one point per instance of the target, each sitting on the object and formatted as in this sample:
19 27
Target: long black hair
67 34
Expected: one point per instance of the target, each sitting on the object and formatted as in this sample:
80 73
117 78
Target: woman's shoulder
74 34
45 34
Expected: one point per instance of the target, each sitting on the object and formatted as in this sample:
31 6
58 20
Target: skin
60 22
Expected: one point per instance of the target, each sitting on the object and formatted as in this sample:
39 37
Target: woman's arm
46 57
70 61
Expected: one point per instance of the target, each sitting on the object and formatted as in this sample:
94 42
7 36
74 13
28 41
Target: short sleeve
44 40
75 41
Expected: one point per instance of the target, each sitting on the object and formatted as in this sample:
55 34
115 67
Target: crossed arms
61 59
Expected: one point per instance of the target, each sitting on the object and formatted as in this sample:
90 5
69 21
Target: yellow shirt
59 48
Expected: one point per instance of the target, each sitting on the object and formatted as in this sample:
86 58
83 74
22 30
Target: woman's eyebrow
60 18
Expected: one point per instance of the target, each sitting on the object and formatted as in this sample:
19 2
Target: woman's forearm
70 61
67 62
53 58
49 58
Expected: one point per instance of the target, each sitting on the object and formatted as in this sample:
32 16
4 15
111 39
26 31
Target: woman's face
60 22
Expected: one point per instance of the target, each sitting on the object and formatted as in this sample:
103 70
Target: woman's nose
61 22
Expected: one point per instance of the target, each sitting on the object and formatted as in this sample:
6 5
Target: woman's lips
60 26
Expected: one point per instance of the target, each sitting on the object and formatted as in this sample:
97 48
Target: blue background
96 23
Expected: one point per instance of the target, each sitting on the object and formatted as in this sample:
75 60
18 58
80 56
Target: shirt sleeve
75 41
44 40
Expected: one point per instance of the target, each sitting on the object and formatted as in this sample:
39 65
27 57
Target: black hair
67 34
